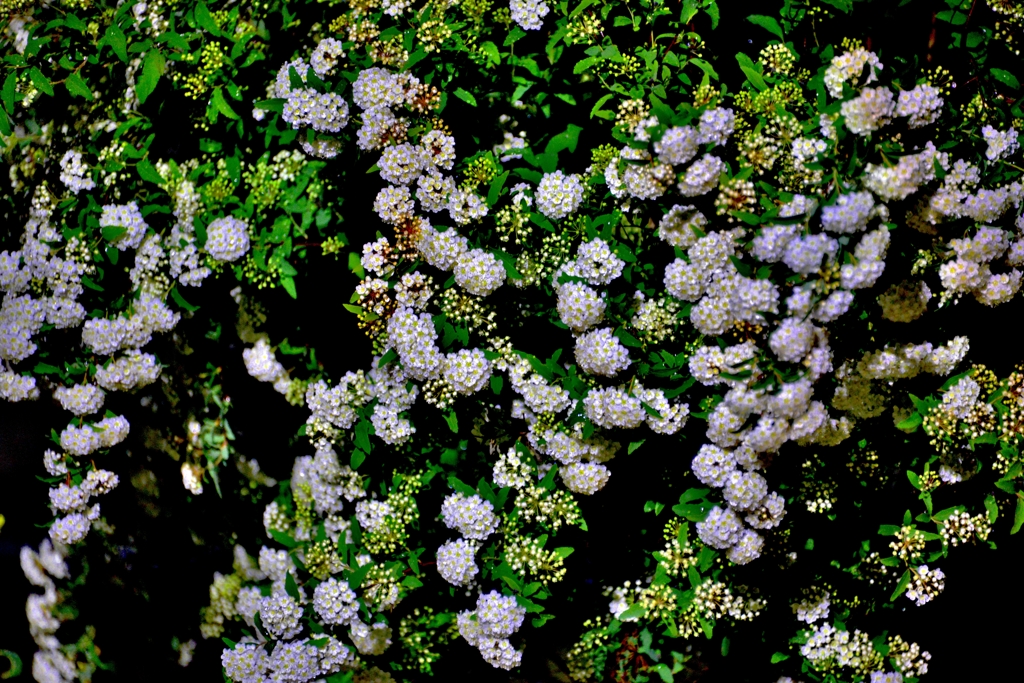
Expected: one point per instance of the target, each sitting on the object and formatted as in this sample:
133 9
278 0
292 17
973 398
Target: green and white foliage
581 240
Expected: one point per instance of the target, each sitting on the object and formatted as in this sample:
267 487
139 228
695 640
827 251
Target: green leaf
585 65
486 492
112 233
582 6
173 39
1018 515
356 578
711 9
635 445
515 34
465 96
10 87
221 105
147 171
915 480
842 5
77 86
40 81
597 111
283 538
564 140
453 421
901 586
357 459
754 78
180 300
461 486
491 50
529 605
706 558
153 67
497 381
564 552
779 657
911 423
634 611
494 191
205 19
411 582
767 23
626 338
114 37
274 104
289 586
288 283
663 672
362 435
91 285
1006 78
45 369
993 509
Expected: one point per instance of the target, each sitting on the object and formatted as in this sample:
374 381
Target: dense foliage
601 336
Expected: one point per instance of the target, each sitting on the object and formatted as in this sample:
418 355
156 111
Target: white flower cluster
716 125
50 662
848 67
326 55
906 177
131 371
637 174
337 405
749 422
559 195
15 387
455 561
473 517
335 603
921 106
909 360
128 217
488 628
872 109
323 112
261 364
1001 144
73 172
227 239
467 371
586 478
970 271
925 584
73 502
88 438
601 353
107 336
579 306
814 606
682 226
328 481
954 198
479 272
529 14
511 471
297 661
413 337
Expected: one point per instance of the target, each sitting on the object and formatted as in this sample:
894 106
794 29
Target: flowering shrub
716 259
